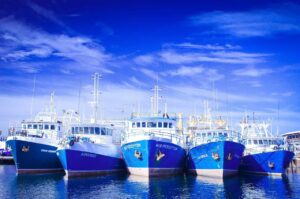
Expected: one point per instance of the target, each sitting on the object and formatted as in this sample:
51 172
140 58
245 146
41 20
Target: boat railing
161 134
37 134
201 140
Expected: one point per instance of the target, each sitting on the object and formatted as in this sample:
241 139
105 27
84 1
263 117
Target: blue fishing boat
33 147
264 152
92 148
152 144
214 150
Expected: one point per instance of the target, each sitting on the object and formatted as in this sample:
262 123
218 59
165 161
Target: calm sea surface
125 186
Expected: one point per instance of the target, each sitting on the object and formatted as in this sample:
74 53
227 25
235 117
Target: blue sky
239 55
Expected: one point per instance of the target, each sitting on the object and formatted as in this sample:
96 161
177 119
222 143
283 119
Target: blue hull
78 163
217 159
153 158
273 163
37 158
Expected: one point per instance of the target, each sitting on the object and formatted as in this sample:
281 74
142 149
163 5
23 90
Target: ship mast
154 100
96 96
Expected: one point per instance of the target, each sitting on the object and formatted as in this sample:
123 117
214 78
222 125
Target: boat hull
267 163
84 161
153 158
215 159
31 157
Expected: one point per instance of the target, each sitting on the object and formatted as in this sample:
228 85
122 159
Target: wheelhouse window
170 125
265 142
52 127
138 124
24 126
225 134
80 130
165 124
35 126
97 131
109 131
249 141
29 126
133 124
260 142
103 131
40 126
92 129
86 130
46 126
73 130
209 134
255 141
151 124
143 124
159 124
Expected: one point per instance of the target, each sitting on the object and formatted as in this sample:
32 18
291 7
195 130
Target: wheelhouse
152 123
91 130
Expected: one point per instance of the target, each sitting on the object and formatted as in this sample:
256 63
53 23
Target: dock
6 160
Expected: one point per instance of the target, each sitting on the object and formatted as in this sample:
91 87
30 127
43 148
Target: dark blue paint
73 160
34 159
260 162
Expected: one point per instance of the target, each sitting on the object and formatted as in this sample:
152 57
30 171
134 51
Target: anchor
159 155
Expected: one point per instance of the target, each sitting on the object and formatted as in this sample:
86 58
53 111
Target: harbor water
129 186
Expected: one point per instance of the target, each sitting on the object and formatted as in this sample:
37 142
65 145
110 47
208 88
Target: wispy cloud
185 71
202 46
24 41
250 71
264 22
48 14
174 57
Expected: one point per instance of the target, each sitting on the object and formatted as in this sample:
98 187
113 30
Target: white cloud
251 71
173 57
185 71
144 59
149 73
202 46
280 19
255 84
83 53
